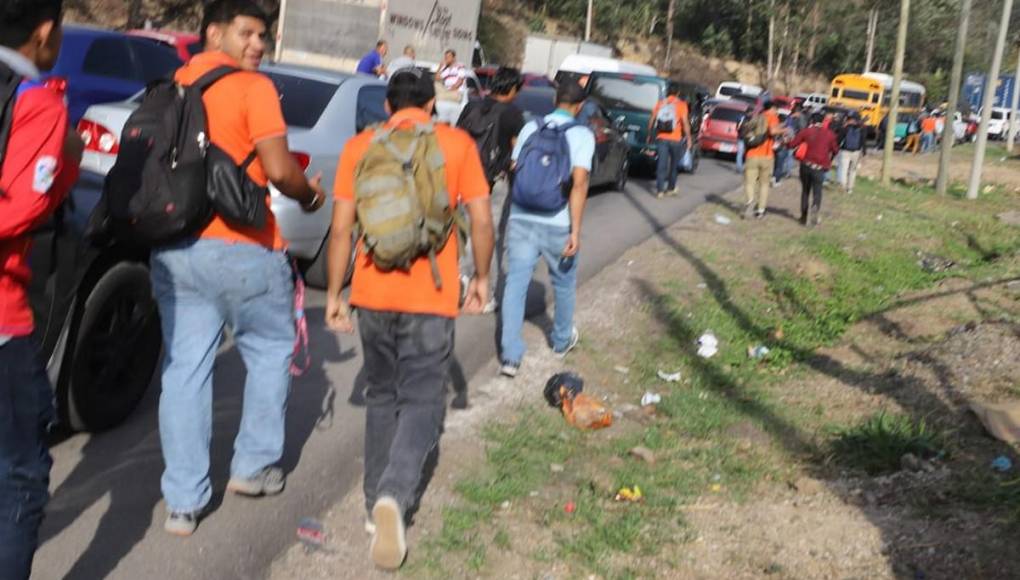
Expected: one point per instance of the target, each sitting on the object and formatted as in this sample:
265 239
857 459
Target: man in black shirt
495 121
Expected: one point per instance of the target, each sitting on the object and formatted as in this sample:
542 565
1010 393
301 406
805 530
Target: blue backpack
543 169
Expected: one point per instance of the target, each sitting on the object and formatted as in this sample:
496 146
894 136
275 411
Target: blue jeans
782 168
927 142
200 287
667 163
526 243
26 412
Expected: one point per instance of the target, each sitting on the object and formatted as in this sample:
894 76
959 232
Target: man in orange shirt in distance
672 129
760 164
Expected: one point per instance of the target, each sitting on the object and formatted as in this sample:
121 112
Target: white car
998 125
323 109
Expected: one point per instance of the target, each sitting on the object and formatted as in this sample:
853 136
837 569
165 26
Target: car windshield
726 114
633 94
729 91
998 116
303 100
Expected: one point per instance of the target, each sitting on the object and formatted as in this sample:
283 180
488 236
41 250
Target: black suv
96 320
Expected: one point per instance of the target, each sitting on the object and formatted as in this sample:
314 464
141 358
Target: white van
729 89
814 100
998 125
576 66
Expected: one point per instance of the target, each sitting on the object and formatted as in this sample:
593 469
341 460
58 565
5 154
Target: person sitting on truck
372 63
406 60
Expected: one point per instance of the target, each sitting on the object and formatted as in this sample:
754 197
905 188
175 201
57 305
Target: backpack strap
9 82
210 78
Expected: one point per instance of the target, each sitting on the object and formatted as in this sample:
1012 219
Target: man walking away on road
671 126
39 165
760 162
372 63
230 275
928 126
853 148
495 121
822 146
407 60
406 315
494 124
549 193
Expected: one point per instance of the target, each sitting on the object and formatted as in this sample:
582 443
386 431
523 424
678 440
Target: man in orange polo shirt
406 322
669 145
230 276
760 164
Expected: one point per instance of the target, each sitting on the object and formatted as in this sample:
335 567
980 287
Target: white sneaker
575 337
369 525
389 544
509 369
491 307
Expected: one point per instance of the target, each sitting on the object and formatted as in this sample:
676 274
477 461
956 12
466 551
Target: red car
186 44
719 129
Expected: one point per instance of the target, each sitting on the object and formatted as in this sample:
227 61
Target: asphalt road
105 519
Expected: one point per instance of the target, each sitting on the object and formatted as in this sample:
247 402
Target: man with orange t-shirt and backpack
230 275
407 293
762 128
671 125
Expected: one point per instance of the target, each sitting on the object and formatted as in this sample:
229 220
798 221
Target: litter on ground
708 345
669 377
650 398
722 220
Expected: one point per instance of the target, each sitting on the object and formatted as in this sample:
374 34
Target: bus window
874 98
855 95
835 92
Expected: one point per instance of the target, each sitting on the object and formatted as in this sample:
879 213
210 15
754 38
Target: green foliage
877 444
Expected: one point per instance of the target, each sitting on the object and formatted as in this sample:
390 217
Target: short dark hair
380 44
506 80
20 18
569 93
817 118
672 90
451 52
409 88
225 11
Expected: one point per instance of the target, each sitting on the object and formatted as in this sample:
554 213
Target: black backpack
9 83
169 179
482 123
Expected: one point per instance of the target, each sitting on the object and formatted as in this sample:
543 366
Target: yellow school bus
870 93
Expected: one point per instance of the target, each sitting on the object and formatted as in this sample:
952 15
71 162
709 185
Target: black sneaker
181 524
803 220
269 481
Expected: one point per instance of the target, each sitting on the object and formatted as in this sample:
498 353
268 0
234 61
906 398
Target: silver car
322 108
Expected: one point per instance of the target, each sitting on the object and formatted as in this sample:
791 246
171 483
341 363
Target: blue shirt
369 63
581 141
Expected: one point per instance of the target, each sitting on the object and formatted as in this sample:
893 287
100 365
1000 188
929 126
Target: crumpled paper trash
708 345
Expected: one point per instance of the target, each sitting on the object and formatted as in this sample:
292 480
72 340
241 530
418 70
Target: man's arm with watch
283 171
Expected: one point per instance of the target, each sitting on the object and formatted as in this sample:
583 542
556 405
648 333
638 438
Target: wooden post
948 133
894 100
987 102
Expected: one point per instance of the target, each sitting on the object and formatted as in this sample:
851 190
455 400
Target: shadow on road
125 464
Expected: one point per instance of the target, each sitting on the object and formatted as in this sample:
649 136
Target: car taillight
98 138
303 159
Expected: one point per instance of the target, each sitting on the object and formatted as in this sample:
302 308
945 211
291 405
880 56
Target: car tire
622 176
116 349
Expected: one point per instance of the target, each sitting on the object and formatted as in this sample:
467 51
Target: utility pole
278 52
894 101
948 133
986 104
1014 119
669 36
872 32
772 37
587 26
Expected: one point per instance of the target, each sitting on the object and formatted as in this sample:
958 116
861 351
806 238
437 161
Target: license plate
727 148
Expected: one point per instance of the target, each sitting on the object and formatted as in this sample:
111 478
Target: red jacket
822 146
34 180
